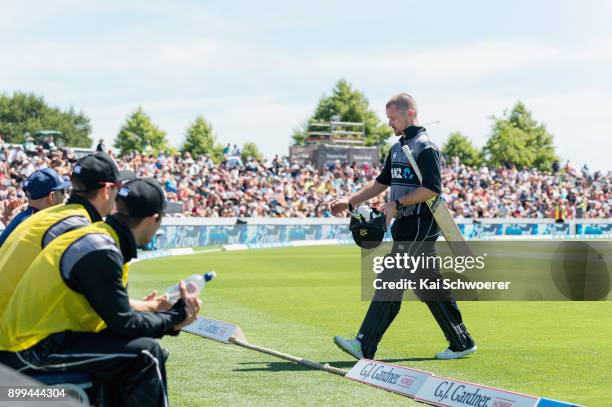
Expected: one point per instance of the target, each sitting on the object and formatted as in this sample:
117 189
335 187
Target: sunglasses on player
116 184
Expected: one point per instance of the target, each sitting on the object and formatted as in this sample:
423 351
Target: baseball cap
44 181
96 169
145 197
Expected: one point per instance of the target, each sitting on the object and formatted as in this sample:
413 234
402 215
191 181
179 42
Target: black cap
95 169
145 197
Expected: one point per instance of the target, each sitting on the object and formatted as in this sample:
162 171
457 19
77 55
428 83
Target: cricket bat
442 215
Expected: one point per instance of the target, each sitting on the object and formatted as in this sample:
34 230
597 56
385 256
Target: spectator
101 147
17 156
278 188
71 311
44 188
29 146
49 144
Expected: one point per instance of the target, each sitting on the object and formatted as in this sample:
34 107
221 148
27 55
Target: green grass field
296 299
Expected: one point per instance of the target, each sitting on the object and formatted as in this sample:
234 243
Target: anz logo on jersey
404 173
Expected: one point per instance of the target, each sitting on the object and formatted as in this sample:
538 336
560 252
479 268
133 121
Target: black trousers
132 370
415 236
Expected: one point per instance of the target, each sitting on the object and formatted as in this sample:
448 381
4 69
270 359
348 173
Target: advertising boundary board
436 390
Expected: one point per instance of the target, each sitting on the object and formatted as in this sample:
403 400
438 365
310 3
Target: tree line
138 133
516 138
23 114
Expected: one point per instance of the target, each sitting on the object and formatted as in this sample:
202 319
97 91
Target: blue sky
257 69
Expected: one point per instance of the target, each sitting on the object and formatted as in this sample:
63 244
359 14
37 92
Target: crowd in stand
278 188
564 193
252 189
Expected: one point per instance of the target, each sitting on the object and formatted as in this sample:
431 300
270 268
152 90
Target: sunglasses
116 184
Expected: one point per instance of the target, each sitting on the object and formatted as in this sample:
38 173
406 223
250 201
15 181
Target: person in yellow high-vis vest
560 212
95 180
43 188
71 311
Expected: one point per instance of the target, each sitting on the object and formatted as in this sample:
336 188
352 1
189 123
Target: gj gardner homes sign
398 379
442 391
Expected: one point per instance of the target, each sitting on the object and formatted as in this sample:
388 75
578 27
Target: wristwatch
398 205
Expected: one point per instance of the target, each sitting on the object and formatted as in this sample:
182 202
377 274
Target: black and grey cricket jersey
399 174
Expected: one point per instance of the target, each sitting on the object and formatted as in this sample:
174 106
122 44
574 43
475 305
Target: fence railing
194 232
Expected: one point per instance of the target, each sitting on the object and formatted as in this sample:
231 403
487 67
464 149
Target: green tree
384 151
299 133
22 113
139 133
350 105
200 140
250 149
458 145
517 138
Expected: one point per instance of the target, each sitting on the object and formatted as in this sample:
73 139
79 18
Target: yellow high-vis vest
29 238
43 304
560 212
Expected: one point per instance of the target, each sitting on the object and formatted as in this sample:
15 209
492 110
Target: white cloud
145 56
254 90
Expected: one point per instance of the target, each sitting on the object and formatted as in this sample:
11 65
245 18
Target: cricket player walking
414 231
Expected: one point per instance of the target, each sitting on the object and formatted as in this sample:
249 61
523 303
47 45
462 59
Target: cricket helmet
368 231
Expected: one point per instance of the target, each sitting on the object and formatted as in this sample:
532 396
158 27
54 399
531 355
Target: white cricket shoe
350 346
450 354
